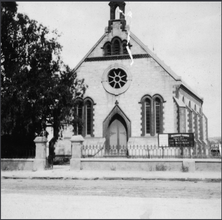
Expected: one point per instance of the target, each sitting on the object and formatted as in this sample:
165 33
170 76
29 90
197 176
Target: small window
124 48
107 49
116 47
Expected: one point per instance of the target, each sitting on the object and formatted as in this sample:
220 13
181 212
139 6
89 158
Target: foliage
214 140
36 86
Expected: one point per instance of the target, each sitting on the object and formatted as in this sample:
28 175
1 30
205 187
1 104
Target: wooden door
117 138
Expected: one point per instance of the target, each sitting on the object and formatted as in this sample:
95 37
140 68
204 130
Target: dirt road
110 199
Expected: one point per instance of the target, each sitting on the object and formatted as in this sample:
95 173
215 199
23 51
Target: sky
185 35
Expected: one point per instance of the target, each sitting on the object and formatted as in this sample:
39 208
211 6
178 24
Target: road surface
139 199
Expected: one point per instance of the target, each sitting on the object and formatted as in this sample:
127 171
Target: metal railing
18 153
146 151
92 151
132 151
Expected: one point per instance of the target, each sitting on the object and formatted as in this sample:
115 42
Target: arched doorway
117 131
116 137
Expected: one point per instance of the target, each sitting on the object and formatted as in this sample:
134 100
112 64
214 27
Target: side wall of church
196 120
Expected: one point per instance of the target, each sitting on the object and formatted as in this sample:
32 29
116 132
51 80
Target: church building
133 101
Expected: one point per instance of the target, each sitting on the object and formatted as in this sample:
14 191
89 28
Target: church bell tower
115 15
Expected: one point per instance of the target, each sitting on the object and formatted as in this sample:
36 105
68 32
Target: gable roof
164 66
153 55
149 52
90 51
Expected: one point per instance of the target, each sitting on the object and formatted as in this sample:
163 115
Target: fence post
40 153
76 144
182 151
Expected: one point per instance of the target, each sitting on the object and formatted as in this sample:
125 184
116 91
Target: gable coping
90 51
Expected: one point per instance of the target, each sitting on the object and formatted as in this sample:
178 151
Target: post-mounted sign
181 140
177 140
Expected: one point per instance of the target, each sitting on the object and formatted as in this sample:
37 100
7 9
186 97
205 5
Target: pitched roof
90 51
154 56
163 65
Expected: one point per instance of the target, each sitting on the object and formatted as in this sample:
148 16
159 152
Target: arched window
124 47
78 117
107 49
116 47
117 13
79 112
83 123
152 115
148 115
158 115
88 117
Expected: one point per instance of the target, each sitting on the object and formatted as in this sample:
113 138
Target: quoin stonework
131 104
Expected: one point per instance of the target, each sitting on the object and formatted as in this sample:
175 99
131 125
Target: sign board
181 140
163 140
176 140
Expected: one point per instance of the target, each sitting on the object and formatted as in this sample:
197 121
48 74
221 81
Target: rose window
117 78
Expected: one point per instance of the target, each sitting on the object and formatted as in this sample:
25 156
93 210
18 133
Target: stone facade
181 108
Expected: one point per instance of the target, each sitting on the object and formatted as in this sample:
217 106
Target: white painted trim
17 159
148 160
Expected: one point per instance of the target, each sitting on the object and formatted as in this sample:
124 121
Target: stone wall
183 165
208 165
17 164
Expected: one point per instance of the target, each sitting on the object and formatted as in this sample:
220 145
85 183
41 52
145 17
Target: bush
61 160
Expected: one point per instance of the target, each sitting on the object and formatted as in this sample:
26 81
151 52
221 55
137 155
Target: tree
37 87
